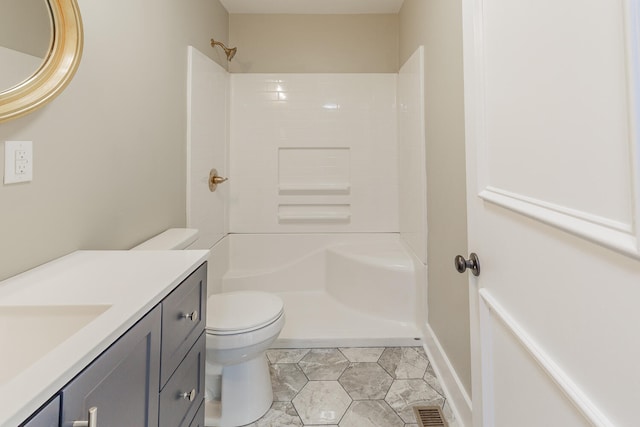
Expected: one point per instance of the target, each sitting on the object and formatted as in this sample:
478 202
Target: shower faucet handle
219 179
215 179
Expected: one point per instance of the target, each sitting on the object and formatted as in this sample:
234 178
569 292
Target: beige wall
109 152
437 24
314 43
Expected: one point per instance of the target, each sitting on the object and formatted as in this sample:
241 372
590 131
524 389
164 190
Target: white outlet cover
10 149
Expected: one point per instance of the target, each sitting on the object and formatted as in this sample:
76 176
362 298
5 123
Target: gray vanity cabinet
122 383
47 416
152 376
198 420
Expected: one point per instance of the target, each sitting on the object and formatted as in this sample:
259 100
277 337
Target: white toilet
241 326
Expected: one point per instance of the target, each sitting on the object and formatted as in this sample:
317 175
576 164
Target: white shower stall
326 199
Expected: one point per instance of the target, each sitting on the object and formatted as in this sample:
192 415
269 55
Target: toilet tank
173 238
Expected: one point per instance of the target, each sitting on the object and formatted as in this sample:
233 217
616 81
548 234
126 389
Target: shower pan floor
315 319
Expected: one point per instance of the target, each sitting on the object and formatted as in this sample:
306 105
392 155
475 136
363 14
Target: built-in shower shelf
323 217
314 213
317 217
314 188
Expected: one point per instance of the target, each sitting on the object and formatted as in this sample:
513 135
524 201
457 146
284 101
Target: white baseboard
457 397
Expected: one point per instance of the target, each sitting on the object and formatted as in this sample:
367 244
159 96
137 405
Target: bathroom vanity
122 341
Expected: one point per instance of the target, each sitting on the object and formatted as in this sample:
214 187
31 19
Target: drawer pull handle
93 419
189 396
191 316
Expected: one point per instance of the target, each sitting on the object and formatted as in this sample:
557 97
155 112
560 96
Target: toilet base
246 394
212 411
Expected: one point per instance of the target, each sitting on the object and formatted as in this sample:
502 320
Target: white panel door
551 97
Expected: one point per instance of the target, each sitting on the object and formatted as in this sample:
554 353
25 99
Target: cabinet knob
92 419
191 316
189 396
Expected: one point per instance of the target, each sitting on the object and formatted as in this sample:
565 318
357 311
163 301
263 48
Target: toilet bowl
240 327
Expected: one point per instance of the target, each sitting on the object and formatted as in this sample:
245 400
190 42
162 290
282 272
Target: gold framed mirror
58 67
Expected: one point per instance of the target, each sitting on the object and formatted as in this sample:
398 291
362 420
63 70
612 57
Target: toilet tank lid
173 238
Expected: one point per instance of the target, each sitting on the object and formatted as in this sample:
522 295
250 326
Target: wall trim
455 393
632 33
559 377
603 231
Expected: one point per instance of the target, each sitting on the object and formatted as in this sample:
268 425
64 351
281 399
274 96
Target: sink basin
28 333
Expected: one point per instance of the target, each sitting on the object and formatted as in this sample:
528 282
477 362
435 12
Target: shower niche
313 171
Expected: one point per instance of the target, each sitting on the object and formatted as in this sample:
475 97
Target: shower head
231 52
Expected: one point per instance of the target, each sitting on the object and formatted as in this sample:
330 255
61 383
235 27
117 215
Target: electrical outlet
21 167
18 161
21 155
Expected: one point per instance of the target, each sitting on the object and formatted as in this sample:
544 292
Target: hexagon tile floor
351 387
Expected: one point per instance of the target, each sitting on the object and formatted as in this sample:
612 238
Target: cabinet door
198 420
48 416
121 383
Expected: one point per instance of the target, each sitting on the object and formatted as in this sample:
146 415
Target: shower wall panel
313 153
207 147
412 158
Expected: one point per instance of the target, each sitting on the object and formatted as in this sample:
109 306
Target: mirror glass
25 39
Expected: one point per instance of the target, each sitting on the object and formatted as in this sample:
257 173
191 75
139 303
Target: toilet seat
240 312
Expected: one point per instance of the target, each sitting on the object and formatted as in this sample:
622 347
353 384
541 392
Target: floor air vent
429 416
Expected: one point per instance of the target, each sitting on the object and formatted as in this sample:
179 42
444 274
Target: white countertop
130 282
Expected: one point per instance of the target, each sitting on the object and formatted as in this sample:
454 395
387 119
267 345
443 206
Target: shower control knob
473 264
215 179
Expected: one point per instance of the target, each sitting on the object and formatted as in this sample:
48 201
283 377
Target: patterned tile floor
351 387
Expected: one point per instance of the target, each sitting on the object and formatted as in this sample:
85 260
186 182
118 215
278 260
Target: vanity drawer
184 393
183 320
